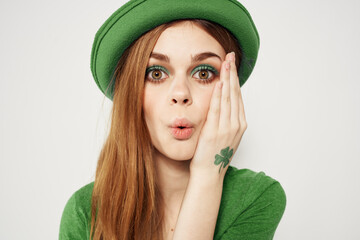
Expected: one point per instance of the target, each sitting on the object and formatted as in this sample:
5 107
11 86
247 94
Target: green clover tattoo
225 158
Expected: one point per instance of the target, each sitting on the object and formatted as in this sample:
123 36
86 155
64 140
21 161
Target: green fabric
136 17
252 205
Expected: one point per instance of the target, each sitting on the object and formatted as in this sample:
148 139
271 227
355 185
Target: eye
205 73
154 73
202 72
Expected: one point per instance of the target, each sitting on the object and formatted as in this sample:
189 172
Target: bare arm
200 207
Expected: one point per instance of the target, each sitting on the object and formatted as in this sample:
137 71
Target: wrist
208 171
207 176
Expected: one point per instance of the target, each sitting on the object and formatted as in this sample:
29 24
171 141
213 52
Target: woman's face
180 88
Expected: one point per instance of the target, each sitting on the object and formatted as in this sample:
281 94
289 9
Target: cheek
204 102
148 104
208 97
151 105
208 100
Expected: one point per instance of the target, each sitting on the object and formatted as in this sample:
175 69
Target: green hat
136 17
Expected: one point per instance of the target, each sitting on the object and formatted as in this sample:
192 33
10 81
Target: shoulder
246 185
76 216
84 193
250 197
80 200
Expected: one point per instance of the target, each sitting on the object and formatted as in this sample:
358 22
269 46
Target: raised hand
225 123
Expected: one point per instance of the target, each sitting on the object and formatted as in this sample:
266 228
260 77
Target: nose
180 91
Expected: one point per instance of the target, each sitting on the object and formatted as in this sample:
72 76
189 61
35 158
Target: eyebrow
197 58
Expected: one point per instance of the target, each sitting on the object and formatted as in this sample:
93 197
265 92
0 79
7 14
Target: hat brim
136 17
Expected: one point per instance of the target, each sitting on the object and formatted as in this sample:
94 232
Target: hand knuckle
235 127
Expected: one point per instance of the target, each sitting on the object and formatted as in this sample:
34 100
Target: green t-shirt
252 205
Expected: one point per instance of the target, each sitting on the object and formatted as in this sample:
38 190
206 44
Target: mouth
181 128
181 123
181 133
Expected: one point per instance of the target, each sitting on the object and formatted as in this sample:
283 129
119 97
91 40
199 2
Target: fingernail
232 56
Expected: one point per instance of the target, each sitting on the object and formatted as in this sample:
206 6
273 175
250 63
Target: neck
173 177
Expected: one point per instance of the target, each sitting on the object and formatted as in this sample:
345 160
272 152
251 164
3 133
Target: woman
177 120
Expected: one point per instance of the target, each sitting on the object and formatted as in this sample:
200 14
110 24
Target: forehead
187 38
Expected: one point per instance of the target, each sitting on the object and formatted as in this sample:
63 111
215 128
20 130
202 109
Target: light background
301 103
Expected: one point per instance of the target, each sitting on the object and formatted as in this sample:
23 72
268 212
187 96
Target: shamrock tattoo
225 158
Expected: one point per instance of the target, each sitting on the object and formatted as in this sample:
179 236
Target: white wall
301 103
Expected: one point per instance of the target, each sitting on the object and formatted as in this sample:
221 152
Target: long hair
126 202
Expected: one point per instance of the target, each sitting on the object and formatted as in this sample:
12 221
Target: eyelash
198 69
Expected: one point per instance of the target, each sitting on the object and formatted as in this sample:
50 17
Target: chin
180 155
181 159
176 155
